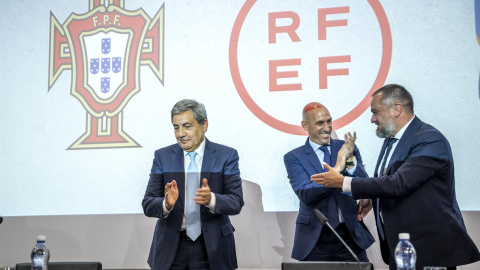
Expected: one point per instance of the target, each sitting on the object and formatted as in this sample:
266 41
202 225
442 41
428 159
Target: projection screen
87 89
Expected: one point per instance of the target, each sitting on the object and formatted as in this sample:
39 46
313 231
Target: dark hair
395 93
197 108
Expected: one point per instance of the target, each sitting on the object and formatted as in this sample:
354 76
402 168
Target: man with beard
414 185
313 241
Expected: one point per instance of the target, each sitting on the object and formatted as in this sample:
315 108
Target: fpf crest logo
104 48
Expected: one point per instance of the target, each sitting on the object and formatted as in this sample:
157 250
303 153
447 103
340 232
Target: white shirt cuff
165 211
213 202
347 184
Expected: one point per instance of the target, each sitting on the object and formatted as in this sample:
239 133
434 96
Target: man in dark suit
313 241
414 183
193 230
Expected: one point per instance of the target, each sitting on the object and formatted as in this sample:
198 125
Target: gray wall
263 239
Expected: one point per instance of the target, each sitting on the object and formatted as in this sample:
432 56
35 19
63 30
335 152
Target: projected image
88 91
114 36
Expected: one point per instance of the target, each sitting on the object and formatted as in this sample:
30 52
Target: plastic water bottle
405 254
40 254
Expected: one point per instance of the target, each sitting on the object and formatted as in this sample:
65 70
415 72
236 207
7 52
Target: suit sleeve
310 193
230 202
152 202
426 158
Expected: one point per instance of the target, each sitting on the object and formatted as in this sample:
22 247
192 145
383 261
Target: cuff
165 211
213 202
347 184
352 170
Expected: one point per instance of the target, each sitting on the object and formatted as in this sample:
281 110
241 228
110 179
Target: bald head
317 122
311 106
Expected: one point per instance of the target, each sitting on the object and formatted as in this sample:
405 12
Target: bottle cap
404 236
41 238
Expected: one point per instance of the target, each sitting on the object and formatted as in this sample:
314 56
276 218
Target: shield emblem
105 48
108 49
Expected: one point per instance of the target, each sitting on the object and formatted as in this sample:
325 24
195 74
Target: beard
386 130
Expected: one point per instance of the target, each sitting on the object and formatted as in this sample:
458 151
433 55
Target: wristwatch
351 163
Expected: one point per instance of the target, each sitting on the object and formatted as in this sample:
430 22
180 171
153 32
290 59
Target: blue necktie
332 207
193 210
380 173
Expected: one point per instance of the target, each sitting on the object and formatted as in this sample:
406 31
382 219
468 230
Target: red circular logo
350 116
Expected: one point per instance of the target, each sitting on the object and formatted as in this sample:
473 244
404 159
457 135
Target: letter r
273 29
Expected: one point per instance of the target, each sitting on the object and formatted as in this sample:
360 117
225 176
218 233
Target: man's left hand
331 178
203 193
364 206
350 143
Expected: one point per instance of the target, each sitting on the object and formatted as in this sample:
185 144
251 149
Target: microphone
324 221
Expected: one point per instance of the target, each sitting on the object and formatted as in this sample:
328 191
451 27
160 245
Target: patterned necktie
387 153
380 173
332 207
193 210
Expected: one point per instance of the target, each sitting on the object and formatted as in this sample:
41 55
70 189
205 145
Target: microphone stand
324 221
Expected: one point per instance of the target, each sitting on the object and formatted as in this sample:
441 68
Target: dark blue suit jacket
220 168
301 163
417 195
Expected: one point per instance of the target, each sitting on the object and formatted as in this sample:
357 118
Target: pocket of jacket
227 229
303 219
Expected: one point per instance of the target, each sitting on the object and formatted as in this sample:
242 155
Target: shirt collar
200 150
316 146
402 131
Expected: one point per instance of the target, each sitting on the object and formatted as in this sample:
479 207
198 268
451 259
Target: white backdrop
434 53
208 47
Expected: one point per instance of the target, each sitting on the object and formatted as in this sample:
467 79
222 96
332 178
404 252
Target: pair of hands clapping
171 194
333 178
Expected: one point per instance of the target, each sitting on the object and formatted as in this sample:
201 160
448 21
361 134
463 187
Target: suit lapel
209 159
312 157
179 172
335 146
404 141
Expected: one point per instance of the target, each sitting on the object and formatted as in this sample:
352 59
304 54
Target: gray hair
393 93
197 108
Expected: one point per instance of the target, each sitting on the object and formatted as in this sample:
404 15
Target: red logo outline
338 123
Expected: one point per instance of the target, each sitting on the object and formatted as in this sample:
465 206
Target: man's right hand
341 159
171 194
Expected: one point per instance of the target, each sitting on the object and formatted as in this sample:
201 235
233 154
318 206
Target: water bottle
405 255
40 254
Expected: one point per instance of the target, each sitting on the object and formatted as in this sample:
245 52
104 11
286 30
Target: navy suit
220 168
417 195
301 163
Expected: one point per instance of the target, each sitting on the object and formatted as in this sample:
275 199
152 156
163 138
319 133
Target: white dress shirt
347 182
320 154
186 162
